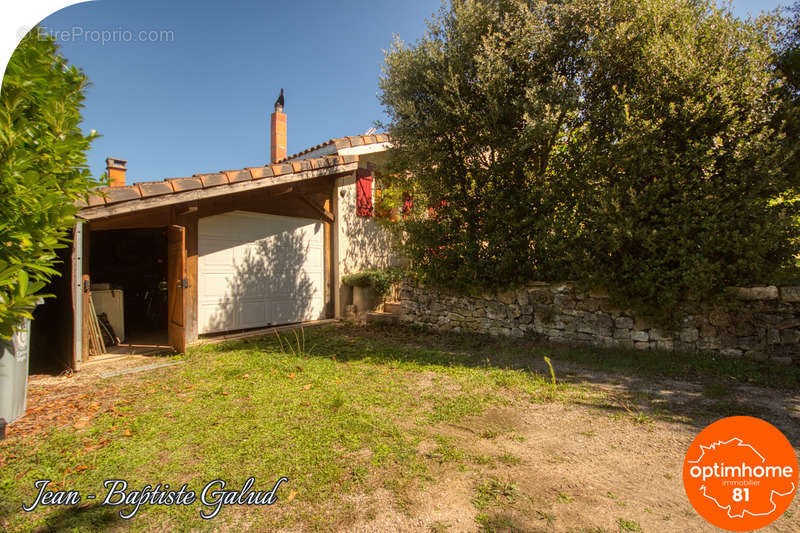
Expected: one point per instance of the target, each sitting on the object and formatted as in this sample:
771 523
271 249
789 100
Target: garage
212 254
257 270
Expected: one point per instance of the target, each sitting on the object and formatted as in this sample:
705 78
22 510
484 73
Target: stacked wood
96 344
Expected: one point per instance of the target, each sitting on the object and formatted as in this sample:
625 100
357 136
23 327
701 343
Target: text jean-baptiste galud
214 496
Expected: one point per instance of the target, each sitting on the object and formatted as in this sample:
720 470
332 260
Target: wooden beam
150 218
92 213
324 213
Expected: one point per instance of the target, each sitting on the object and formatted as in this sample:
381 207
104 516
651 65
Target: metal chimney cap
113 162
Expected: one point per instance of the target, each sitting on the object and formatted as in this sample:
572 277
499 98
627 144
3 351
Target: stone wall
756 322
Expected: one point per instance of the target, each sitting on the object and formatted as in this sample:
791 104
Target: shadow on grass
694 389
92 517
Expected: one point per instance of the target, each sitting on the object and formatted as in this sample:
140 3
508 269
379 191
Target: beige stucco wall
359 242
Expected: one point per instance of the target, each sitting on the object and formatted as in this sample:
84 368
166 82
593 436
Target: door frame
77 296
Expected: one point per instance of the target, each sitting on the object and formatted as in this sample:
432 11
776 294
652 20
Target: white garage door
258 270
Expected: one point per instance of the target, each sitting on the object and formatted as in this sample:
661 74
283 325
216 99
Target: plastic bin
14 358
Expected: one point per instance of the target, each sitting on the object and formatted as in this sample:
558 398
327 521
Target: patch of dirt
574 467
428 381
74 398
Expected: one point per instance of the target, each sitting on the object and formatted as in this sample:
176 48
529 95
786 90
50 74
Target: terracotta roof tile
237 175
344 142
95 199
280 170
111 195
212 180
185 184
154 188
120 194
261 172
340 143
356 140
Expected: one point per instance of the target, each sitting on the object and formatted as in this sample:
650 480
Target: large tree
630 145
43 170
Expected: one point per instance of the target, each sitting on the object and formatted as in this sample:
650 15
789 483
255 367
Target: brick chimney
116 171
277 132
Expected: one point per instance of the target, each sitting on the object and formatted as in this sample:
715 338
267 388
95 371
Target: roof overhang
224 189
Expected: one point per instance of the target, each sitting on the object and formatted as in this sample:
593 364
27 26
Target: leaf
307 386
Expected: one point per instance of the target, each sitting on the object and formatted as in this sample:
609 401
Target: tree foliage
628 145
43 170
788 66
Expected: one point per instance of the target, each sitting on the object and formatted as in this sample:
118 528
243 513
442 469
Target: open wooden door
177 286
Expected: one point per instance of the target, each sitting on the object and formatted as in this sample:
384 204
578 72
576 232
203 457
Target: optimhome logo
740 473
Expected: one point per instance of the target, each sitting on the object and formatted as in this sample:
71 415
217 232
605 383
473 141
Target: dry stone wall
756 322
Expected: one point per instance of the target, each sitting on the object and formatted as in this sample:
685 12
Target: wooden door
177 286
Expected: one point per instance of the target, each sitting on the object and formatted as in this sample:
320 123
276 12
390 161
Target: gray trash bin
14 375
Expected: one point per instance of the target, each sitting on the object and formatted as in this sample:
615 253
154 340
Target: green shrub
43 170
380 280
633 146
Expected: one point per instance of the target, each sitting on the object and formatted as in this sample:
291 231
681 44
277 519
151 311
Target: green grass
439 526
563 497
628 525
492 493
527 353
343 418
491 523
340 413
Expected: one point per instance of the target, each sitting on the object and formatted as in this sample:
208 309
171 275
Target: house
220 252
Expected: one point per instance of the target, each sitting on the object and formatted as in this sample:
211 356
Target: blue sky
198 101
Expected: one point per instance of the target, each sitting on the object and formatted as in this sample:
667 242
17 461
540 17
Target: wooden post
86 295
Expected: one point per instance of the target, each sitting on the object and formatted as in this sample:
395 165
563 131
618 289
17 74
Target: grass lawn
397 429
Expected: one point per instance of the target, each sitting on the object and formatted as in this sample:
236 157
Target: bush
380 280
43 170
630 146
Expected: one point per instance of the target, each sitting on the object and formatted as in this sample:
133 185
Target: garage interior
128 272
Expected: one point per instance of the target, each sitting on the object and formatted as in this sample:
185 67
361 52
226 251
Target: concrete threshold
262 331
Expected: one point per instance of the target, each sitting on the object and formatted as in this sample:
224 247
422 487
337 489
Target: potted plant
370 287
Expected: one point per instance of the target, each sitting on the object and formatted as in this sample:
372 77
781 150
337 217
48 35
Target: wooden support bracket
327 215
